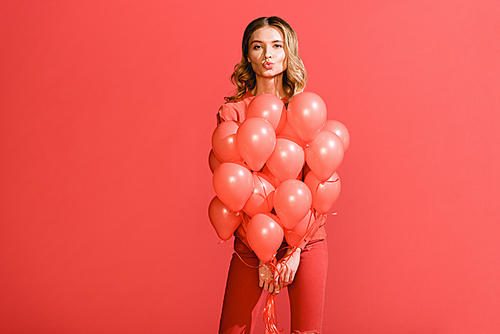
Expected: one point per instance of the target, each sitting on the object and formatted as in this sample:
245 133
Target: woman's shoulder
236 110
245 100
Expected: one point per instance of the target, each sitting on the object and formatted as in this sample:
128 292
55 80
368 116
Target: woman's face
266 52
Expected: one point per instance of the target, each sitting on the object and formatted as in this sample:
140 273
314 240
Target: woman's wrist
293 249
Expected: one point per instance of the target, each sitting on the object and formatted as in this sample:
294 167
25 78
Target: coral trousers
243 297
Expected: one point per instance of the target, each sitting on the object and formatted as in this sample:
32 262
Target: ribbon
270 317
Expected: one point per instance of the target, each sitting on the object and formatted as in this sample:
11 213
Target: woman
270 64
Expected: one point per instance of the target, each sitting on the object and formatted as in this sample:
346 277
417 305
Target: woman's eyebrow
276 41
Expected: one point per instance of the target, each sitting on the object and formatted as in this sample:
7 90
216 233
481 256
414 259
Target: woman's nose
268 53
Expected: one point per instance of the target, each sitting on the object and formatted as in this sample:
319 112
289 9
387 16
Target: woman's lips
268 65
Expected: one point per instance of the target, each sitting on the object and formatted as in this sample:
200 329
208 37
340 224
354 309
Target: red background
107 109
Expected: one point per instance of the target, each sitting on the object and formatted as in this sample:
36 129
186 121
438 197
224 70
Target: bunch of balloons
258 166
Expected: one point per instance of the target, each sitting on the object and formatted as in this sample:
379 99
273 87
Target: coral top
236 111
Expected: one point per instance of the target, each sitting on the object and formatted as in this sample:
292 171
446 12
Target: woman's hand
287 268
266 278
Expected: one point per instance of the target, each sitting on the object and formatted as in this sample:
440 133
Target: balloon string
270 315
273 264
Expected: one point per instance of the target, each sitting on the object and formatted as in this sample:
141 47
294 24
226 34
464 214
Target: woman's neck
273 86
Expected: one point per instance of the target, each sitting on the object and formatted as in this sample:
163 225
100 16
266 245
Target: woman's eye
278 45
256 47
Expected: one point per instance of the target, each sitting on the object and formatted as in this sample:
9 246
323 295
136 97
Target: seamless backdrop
106 114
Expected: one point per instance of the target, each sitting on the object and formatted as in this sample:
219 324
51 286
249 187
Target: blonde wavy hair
294 77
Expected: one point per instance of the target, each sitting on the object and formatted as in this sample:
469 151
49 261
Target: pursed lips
267 64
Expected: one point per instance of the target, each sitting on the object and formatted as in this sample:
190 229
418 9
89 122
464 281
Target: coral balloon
287 159
307 115
223 220
262 198
233 184
296 235
213 161
324 193
340 130
292 201
266 106
224 142
255 140
264 235
324 155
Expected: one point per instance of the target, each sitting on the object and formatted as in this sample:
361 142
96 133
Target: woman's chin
269 74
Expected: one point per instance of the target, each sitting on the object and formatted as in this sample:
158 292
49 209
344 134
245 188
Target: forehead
266 34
